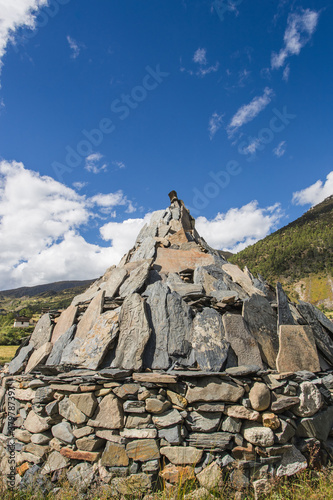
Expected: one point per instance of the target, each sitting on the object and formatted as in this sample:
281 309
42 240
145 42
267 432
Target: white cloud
79 185
300 28
252 147
280 149
93 163
74 46
119 164
40 224
286 73
315 193
13 15
200 56
215 123
239 227
248 112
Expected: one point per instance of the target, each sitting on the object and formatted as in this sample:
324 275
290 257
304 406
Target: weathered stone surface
171 434
114 455
83 431
89 444
18 363
241 340
54 462
180 455
70 411
154 405
270 420
36 449
318 426
135 485
238 411
65 387
323 320
210 477
60 345
262 488
310 400
214 389
24 394
36 424
109 435
146 250
90 351
215 441
189 290
177 474
116 279
243 370
22 435
173 261
133 325
81 476
297 349
64 323
38 357
258 436
87 456
262 321
63 432
90 316
239 277
136 279
292 462
43 395
172 417
322 338
177 399
139 433
284 316
155 378
86 403
138 421
284 403
286 432
209 347
134 407
143 450
260 397
202 422
232 425
42 332
126 391
87 295
217 407
109 414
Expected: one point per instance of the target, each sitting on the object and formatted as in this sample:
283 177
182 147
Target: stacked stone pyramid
174 303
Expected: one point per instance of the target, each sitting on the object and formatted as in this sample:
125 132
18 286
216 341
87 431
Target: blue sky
106 106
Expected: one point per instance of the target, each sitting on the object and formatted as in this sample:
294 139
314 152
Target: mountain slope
299 254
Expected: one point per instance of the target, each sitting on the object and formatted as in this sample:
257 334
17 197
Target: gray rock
86 296
69 411
241 340
310 400
52 408
214 389
138 421
292 462
86 402
64 322
285 432
232 425
109 414
243 370
318 426
179 343
260 397
38 357
43 395
41 438
171 434
181 455
116 279
262 323
134 407
297 349
322 338
226 296
257 435
55 462
136 280
284 316
324 320
42 332
133 325
150 230
169 419
81 476
215 441
202 422
18 364
209 348
146 250
151 466
58 348
36 424
189 290
63 432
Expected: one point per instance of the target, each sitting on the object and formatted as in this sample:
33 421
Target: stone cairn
174 365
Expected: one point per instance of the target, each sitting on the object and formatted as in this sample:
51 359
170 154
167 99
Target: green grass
7 352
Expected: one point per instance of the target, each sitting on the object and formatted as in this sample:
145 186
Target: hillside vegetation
300 255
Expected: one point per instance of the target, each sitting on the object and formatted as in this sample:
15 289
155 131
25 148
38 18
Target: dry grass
7 352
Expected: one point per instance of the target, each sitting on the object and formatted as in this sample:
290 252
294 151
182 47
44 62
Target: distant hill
299 254
31 291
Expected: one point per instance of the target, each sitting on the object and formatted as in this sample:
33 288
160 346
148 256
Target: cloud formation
315 193
239 227
280 149
94 165
74 46
200 58
248 112
215 123
15 14
300 28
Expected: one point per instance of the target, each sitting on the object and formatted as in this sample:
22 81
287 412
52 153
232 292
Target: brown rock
177 474
36 424
143 450
126 391
154 405
270 420
210 477
214 389
38 357
182 455
86 456
238 411
284 403
64 322
86 403
260 397
297 349
241 340
242 453
155 378
89 444
109 414
22 468
90 316
114 455
173 261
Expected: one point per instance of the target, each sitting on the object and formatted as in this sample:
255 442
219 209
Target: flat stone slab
59 346
90 316
133 335
155 378
64 322
242 279
322 338
116 279
87 456
213 442
114 455
143 450
180 455
241 340
173 261
297 349
42 332
214 389
285 316
109 414
38 357
136 279
18 364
